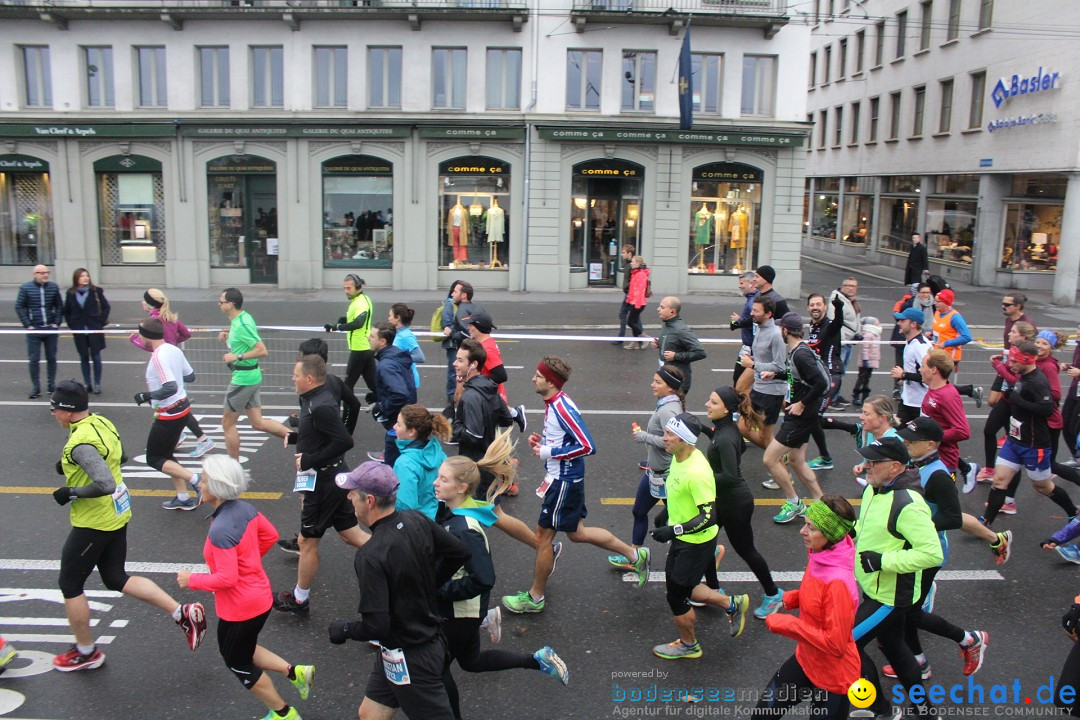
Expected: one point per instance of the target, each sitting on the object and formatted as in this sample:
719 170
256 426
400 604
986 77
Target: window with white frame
826 65
448 78
813 70
707 70
841 66
639 80
151 67
384 77
953 31
98 65
37 76
503 78
919 111
759 85
331 77
945 117
901 33
267 77
583 81
214 77
860 50
823 126
978 89
838 125
879 43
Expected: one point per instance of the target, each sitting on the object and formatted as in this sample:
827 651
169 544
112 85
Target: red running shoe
193 622
973 656
74 660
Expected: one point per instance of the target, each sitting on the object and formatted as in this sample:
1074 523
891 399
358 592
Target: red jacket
639 280
826 600
239 536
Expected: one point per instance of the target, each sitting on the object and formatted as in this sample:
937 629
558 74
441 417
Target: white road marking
796 576
49 622
54 565
49 595
58 639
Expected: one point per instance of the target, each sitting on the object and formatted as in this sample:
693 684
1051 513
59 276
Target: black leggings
193 425
85 549
996 421
643 503
816 432
886 623
1070 677
237 640
633 320
463 645
361 362
162 439
790 686
918 620
1070 413
734 511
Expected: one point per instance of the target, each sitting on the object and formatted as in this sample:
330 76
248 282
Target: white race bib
542 490
394 666
305 481
1014 428
121 499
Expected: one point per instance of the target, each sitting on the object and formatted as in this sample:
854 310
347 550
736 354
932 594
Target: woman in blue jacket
85 308
401 317
418 435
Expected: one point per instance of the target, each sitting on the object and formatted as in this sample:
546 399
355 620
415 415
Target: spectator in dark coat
85 308
39 306
917 261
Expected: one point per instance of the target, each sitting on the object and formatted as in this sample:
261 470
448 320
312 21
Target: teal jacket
895 521
416 469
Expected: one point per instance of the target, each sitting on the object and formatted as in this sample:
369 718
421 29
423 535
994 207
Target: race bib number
1014 428
121 499
657 486
394 666
305 481
542 490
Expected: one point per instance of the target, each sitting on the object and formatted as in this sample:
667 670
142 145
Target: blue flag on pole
686 85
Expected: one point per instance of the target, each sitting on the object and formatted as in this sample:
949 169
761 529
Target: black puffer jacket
39 305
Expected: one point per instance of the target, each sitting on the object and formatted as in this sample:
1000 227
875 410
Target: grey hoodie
770 354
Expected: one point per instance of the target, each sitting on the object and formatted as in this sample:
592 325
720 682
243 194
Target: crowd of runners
418 512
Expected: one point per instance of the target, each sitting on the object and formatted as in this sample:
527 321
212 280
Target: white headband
678 427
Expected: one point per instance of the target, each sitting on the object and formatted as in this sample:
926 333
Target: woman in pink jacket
826 660
239 536
637 298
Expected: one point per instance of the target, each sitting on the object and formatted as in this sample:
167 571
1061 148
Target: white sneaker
494 624
770 483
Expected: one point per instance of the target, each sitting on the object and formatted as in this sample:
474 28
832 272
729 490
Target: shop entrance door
261 228
605 214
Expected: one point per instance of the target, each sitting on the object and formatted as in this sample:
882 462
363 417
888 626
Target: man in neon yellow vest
100 512
357 323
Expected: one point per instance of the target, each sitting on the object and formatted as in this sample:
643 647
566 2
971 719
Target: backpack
436 324
937 283
648 288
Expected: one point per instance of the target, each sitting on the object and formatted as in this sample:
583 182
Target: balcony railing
729 7
269 4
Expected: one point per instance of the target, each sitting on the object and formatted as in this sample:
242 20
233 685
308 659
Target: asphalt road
601 625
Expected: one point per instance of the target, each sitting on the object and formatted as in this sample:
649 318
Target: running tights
643 503
734 514
788 686
463 645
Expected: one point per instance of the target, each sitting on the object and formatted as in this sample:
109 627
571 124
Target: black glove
142 397
376 412
857 337
1069 619
664 534
339 631
329 327
661 518
838 302
59 467
370 397
871 561
293 421
62 495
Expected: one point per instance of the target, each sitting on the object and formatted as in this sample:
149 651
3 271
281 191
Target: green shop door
262 228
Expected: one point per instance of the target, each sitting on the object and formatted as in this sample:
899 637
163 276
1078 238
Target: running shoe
304 676
376 456
641 566
522 603
718 554
1069 552
286 602
971 478
293 714
978 394
677 650
1008 508
839 404
556 550
551 664
789 511
184 437
494 624
770 604
74 660
178 504
985 475
520 420
193 622
770 483
736 614
202 447
1003 547
7 654
973 656
620 562
821 463
931 595
291 546
924 670
513 490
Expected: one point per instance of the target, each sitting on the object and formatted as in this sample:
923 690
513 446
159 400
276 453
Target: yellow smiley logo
862 693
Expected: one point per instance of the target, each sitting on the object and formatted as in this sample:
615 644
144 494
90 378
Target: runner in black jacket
823 337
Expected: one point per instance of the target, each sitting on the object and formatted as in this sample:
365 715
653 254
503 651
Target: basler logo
1010 87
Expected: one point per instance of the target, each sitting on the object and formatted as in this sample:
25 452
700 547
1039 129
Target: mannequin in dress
737 227
457 231
496 229
703 232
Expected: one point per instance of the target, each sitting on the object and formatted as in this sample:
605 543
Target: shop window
605 215
858 219
1040 186
950 229
131 210
243 216
898 218
825 208
956 184
1032 236
26 233
473 224
725 218
358 212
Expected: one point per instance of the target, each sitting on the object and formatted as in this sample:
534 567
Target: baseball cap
946 296
791 321
482 320
70 396
887 448
371 477
914 314
921 428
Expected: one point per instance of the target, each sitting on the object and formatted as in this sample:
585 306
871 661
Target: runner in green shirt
245 349
692 530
